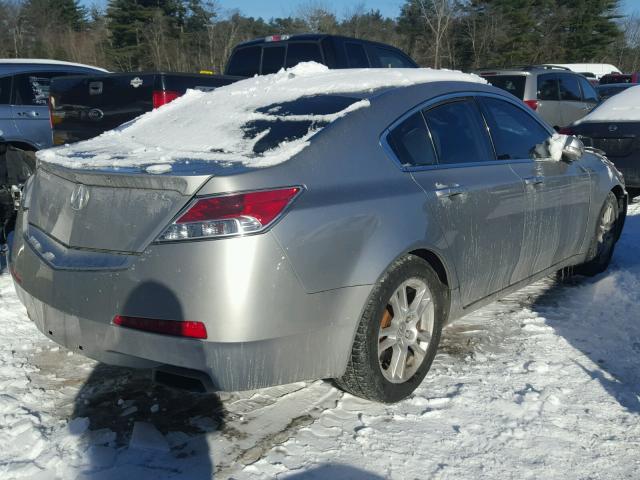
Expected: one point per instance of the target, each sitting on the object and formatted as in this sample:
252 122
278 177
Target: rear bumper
263 329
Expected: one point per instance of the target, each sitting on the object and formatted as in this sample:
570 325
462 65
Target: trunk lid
616 139
107 209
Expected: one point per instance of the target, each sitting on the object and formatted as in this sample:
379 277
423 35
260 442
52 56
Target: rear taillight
533 104
162 97
566 131
229 215
176 328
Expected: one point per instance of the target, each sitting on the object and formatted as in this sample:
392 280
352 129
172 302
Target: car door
7 126
557 192
30 109
478 201
573 108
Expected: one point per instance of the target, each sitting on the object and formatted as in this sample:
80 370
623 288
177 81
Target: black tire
604 240
363 376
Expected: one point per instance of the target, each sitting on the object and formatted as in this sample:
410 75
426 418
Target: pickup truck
82 107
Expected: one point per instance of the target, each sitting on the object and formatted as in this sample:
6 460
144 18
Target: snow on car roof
623 107
212 126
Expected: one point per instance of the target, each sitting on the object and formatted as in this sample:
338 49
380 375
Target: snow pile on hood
623 107
213 125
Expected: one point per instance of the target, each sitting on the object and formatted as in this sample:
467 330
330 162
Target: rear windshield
288 121
514 84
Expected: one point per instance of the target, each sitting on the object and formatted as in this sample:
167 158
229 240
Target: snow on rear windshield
623 107
260 121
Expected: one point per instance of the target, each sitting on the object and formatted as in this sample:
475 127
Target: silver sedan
343 262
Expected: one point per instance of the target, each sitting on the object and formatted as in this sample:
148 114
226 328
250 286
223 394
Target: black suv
268 55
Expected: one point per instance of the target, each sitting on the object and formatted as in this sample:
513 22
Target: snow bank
212 125
623 107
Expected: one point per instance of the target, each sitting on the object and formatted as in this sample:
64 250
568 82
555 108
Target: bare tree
437 16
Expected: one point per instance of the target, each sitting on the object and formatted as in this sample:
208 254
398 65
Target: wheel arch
623 201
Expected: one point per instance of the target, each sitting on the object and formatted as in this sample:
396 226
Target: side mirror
573 149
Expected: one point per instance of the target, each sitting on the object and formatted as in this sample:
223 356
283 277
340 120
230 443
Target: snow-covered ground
543 384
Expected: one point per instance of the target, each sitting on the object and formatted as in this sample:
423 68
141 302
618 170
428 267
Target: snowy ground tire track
542 384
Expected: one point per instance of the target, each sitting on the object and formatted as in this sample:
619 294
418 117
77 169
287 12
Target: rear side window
515 133
411 142
245 62
386 58
33 88
272 59
569 88
589 93
356 55
459 133
514 84
5 90
303 52
548 87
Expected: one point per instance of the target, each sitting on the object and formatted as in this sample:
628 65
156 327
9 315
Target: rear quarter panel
359 211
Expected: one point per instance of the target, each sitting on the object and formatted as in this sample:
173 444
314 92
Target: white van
598 69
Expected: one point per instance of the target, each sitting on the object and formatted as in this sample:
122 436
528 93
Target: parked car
312 224
557 94
84 107
614 128
610 89
270 54
620 78
24 94
16 165
596 70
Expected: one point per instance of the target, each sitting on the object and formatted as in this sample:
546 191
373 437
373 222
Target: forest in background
190 35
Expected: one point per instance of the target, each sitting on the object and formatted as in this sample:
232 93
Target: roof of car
44 61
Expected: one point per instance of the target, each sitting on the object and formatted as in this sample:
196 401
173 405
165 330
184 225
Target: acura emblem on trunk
613 128
79 197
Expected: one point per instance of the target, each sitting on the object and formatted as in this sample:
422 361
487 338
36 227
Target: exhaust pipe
183 379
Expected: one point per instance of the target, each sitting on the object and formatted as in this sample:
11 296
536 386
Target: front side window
245 62
459 133
411 142
386 58
515 133
272 59
569 89
548 87
303 52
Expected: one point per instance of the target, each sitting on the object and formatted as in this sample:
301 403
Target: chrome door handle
450 192
533 181
29 114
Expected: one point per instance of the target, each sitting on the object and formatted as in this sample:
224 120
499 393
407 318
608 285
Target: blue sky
283 8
